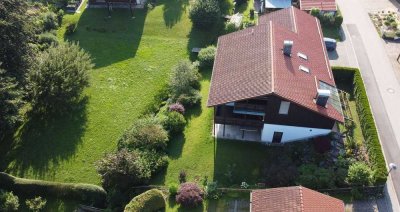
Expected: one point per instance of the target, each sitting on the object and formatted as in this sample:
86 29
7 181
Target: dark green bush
47 39
240 2
49 21
124 168
359 174
36 204
173 189
145 133
60 15
315 12
368 127
173 122
206 56
205 13
230 27
86 193
315 177
338 19
151 200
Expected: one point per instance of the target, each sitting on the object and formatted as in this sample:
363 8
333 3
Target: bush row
87 193
368 128
328 19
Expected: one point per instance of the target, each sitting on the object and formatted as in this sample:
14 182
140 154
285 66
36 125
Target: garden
386 23
330 23
136 118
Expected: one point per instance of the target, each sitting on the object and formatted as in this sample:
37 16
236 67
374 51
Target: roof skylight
303 56
305 69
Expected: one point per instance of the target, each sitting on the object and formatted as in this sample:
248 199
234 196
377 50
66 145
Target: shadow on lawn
203 38
173 10
109 40
38 146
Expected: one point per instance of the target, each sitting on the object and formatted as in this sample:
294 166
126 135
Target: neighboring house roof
250 63
323 5
293 199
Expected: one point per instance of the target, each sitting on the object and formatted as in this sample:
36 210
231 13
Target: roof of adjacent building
293 199
323 5
250 63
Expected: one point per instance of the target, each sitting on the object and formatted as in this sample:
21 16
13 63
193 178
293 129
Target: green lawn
133 58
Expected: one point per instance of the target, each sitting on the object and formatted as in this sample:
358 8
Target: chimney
322 97
287 47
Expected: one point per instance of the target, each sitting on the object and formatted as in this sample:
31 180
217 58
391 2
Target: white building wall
291 133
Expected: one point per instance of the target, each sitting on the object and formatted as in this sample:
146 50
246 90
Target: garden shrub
47 39
240 2
173 189
145 133
287 173
173 122
177 107
8 201
57 78
210 190
189 195
70 28
338 19
182 176
206 56
359 174
184 83
151 200
205 13
86 193
60 15
49 21
230 27
368 127
315 12
36 204
315 177
128 168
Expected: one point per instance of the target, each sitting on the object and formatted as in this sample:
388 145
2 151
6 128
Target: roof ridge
301 199
272 58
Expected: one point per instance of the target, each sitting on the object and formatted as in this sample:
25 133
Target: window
284 108
303 56
305 69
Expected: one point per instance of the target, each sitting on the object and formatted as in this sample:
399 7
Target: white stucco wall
291 133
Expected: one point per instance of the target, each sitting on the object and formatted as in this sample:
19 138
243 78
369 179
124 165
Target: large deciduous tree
58 77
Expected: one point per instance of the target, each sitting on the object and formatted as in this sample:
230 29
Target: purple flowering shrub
177 107
189 195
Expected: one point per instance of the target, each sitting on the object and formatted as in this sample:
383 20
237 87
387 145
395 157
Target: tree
359 174
8 201
58 77
205 13
184 82
10 103
15 34
36 204
206 56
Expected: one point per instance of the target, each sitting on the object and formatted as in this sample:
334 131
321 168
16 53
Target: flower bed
387 23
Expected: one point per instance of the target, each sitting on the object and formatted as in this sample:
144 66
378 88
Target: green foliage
60 15
206 56
338 19
173 122
86 193
184 82
230 27
10 103
240 2
205 14
315 177
8 201
58 77
367 124
70 28
47 39
15 34
36 204
145 133
210 190
151 200
49 21
315 12
128 168
359 174
173 189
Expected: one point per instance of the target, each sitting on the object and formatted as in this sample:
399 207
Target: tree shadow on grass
45 141
109 40
202 38
172 11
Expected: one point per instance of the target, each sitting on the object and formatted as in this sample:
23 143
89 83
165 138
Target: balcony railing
246 106
238 121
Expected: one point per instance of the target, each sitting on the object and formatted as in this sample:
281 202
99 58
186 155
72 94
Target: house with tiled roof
293 199
273 83
322 5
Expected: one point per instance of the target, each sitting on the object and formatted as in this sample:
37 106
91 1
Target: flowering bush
189 195
177 107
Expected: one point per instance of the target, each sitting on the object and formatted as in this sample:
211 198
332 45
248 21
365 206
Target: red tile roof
293 199
323 5
250 63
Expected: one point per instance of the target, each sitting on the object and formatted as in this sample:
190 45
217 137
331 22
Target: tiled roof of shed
323 5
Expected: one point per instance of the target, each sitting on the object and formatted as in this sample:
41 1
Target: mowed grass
133 58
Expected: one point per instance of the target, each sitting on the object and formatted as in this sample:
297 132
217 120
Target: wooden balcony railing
238 121
245 106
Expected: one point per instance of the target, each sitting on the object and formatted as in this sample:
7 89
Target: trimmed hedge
368 128
87 193
151 200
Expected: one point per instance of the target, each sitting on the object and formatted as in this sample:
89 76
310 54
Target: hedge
86 193
368 128
151 200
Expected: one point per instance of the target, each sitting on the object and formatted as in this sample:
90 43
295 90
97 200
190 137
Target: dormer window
302 56
305 69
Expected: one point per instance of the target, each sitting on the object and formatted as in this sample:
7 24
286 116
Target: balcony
249 107
239 121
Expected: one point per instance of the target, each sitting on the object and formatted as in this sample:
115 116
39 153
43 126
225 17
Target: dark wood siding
297 116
